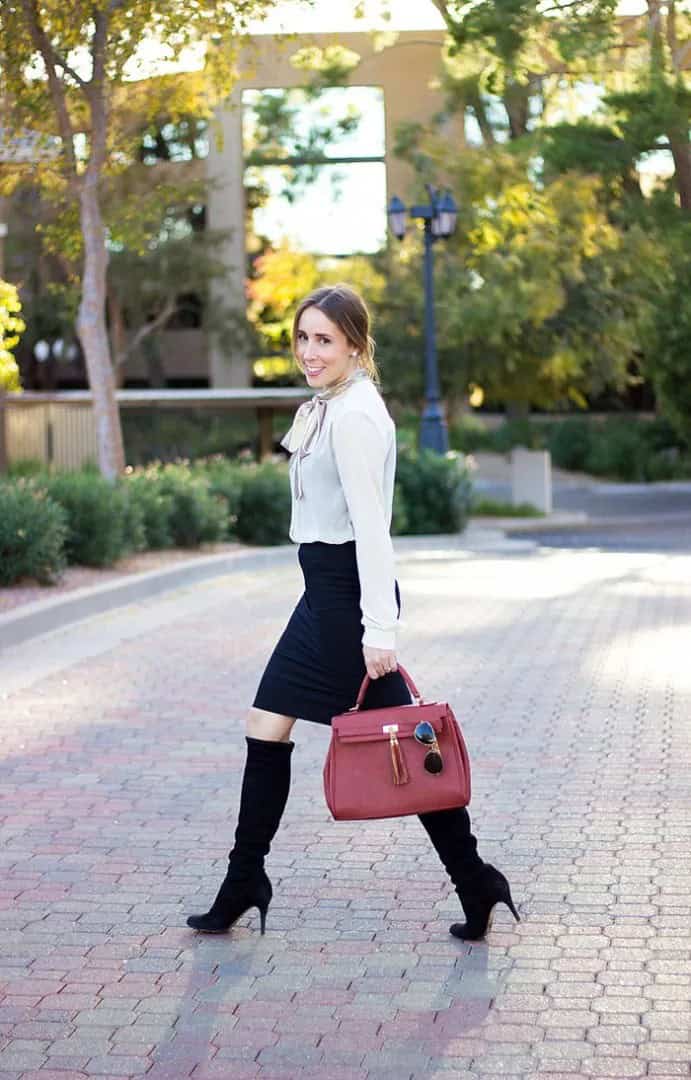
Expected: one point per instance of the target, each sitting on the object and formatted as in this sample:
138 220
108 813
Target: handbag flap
368 726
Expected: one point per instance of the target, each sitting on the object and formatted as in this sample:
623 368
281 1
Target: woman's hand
379 661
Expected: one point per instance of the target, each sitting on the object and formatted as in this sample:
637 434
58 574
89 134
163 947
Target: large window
315 167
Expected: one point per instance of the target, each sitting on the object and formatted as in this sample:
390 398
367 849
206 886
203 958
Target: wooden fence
58 430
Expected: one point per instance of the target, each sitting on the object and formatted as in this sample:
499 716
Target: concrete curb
32 620
564 519
43 616
582 522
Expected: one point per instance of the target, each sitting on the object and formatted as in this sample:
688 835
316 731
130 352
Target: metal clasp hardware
390 729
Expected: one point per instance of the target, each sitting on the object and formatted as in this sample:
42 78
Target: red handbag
375 767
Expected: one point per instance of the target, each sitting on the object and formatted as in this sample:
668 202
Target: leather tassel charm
398 765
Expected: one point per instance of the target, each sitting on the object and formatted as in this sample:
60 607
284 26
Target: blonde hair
346 308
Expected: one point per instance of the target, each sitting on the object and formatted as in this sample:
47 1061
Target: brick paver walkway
123 747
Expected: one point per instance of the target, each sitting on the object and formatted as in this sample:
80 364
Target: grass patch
497 508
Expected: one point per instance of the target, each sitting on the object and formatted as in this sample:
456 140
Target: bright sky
292 16
319 16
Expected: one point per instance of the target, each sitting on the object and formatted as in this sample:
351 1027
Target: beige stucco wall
408 71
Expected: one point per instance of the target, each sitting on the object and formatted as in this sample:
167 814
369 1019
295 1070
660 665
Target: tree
514 49
667 333
65 70
11 326
551 286
539 294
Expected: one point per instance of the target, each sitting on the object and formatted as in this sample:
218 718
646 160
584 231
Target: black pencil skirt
316 669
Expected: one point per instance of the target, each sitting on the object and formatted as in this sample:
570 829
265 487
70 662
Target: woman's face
323 350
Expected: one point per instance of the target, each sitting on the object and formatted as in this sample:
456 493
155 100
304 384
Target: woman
342 479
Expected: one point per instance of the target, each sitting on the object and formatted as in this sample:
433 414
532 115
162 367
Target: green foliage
596 149
636 451
155 507
435 490
263 515
496 508
25 467
570 442
468 433
546 278
226 480
618 454
196 516
33 531
517 432
557 285
539 295
617 447
668 337
399 514
98 517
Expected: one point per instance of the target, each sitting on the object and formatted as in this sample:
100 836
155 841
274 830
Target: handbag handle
406 678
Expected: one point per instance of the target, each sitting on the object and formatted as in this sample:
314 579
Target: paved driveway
123 745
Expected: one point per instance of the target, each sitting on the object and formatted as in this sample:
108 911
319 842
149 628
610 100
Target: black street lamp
439 217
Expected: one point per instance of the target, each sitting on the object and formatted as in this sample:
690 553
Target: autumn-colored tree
11 326
68 71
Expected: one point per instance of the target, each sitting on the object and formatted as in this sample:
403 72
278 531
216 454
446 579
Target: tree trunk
681 152
91 324
517 105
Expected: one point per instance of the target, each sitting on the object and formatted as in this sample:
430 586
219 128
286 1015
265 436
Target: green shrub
468 434
436 491
499 508
99 517
264 505
154 506
33 532
26 467
659 435
133 527
399 515
523 432
570 442
196 516
225 482
618 451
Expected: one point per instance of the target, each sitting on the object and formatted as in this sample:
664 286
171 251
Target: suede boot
265 787
478 885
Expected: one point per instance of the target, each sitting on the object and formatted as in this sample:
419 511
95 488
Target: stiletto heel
262 919
233 900
510 905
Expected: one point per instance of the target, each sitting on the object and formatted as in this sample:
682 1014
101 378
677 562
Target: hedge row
49 521
620 447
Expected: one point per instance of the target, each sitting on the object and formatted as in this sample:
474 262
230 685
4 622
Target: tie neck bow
307 426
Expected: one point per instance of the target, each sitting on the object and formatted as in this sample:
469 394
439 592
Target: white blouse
347 484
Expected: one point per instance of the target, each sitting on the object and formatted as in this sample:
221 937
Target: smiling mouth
314 371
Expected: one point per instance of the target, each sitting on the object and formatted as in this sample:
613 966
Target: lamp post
439 216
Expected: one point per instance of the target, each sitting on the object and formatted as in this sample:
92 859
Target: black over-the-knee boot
265 787
479 886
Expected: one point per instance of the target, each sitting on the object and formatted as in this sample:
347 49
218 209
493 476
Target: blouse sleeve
360 453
